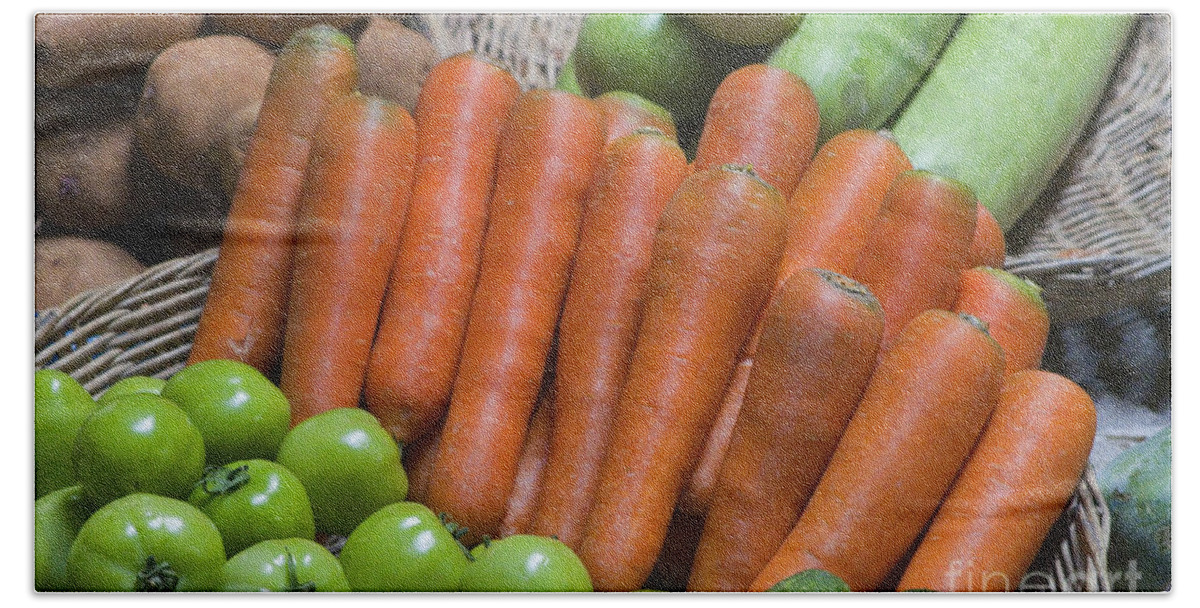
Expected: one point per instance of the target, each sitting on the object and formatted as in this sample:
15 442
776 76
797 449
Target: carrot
987 245
351 212
830 216
548 151
818 347
712 267
761 116
1016 483
697 493
243 318
1014 311
922 412
531 468
624 112
834 206
917 247
459 114
600 318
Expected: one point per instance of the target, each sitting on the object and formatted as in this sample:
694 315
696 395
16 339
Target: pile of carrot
575 332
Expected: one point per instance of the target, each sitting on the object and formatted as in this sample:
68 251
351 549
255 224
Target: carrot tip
319 36
648 131
849 286
975 322
747 170
1022 285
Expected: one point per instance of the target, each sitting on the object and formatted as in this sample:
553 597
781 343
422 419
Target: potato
275 29
747 29
81 177
393 61
71 49
199 107
66 266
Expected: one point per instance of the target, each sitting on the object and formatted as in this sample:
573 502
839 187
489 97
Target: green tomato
403 547
60 405
523 562
144 542
349 465
747 29
288 564
57 518
654 55
132 385
239 412
252 501
138 443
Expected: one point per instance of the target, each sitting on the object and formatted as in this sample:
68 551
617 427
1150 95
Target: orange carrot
818 348
712 267
459 114
531 469
1012 489
831 213
917 248
697 493
351 212
548 151
761 116
624 112
1014 311
923 410
243 318
600 318
987 245
830 216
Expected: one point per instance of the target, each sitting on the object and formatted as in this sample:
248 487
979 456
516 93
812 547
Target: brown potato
199 107
66 266
275 28
74 48
393 61
81 178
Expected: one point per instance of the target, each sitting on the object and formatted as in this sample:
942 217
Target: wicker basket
1101 240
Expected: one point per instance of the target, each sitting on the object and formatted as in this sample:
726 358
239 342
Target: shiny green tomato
523 562
60 405
57 518
132 385
403 547
349 465
144 542
284 564
252 501
240 413
138 443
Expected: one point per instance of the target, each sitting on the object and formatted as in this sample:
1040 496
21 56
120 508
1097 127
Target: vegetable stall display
505 342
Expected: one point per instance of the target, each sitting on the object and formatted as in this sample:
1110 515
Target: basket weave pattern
1102 240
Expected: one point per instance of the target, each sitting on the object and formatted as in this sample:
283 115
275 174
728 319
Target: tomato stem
222 480
156 576
293 579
